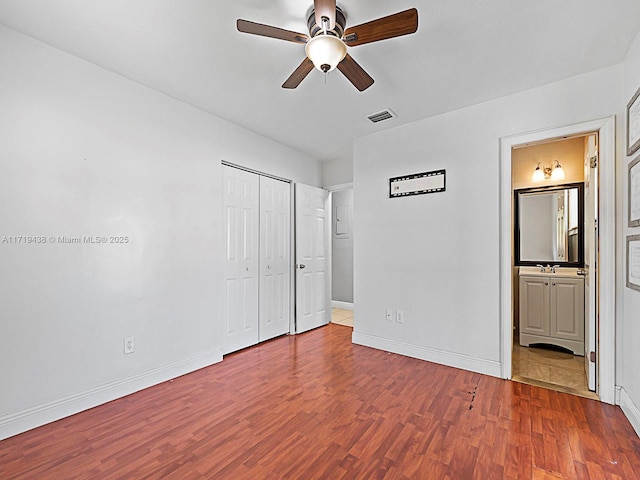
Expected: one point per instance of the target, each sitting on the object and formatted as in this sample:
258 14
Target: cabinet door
534 305
567 308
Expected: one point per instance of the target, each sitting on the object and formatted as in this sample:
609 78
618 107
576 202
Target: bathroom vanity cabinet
552 310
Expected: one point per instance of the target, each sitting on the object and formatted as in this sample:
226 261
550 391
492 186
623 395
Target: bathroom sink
560 272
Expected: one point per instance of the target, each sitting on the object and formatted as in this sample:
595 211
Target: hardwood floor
315 406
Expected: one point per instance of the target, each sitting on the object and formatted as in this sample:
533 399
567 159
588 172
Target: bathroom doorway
543 342
555 206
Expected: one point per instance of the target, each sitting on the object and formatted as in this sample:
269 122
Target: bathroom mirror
549 224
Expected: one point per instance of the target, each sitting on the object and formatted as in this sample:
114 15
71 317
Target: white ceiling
465 52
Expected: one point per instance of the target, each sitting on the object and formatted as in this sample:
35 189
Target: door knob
582 272
301 266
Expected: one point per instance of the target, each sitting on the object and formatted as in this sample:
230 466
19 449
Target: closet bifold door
275 257
241 205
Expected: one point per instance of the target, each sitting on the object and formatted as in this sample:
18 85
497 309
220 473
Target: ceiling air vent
381 116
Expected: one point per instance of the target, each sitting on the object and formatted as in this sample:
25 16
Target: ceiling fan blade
299 74
355 73
402 23
246 26
325 8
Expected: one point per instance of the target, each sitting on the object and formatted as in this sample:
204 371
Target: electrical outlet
129 345
400 316
389 315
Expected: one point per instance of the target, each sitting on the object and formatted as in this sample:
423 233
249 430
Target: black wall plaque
417 184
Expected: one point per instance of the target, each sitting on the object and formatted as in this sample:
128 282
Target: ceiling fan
327 42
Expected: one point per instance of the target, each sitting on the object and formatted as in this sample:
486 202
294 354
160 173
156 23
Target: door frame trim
340 186
257 172
606 233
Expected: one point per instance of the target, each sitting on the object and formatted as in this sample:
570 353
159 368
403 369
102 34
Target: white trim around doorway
340 186
606 270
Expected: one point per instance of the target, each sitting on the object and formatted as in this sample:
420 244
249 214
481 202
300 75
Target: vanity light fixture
555 172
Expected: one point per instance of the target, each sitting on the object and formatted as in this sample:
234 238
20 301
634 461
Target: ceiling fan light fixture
326 52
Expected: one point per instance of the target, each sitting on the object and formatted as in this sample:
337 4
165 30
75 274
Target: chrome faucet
541 268
553 269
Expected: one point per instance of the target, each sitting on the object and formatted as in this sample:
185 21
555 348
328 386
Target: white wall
87 152
342 248
436 256
337 172
628 301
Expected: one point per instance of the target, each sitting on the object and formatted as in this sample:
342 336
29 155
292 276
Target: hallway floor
342 317
551 369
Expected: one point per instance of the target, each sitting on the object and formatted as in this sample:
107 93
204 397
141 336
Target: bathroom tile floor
552 369
342 317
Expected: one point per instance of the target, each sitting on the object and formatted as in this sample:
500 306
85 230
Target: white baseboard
343 305
629 408
451 359
39 415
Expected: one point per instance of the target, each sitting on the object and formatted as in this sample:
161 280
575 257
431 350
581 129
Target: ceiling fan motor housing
338 30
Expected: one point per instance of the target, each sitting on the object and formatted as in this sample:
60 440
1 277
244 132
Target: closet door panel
275 257
241 266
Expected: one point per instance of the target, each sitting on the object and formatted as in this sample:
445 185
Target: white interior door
590 258
313 303
241 210
275 257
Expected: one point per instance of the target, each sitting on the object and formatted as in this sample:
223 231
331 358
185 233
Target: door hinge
593 161
592 357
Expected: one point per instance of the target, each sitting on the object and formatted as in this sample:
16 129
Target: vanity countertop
565 272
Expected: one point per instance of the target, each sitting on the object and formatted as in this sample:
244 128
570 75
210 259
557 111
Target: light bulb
538 175
557 173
